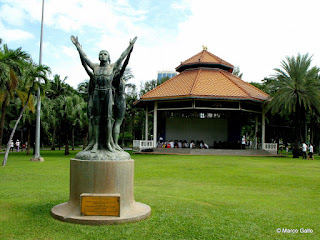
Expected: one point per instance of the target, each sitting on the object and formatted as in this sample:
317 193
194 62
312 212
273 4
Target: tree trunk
13 131
3 114
53 147
305 125
59 137
311 129
297 132
66 150
73 139
28 140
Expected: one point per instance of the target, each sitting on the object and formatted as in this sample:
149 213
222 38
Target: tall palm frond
297 85
296 90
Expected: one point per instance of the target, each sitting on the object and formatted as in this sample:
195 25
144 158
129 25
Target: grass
191 197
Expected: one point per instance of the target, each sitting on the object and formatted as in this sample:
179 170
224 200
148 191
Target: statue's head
104 56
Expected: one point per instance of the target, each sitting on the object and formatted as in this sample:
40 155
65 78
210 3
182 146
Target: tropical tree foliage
236 72
296 90
31 76
71 115
11 64
51 120
294 103
147 86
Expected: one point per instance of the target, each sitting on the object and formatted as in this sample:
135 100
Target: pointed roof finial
204 47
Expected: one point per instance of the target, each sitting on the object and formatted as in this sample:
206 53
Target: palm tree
49 119
296 90
58 87
11 62
71 114
28 119
83 87
236 72
31 74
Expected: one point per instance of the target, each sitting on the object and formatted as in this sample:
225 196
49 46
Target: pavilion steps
236 152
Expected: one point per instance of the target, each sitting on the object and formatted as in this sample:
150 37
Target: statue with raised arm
102 78
103 172
90 104
119 101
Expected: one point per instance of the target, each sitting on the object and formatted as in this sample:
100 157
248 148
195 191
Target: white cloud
8 35
28 10
252 34
78 73
16 35
14 16
69 52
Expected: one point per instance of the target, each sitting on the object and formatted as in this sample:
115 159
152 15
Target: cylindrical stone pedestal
101 177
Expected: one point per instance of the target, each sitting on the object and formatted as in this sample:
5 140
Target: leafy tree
30 72
147 86
127 75
58 87
49 119
71 114
31 75
261 85
11 62
162 80
236 72
296 89
28 119
83 89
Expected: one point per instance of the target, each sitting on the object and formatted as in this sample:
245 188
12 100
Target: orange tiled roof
207 83
204 57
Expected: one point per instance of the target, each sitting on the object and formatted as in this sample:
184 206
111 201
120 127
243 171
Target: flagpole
37 156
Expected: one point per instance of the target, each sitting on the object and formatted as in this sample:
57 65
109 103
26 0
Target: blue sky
254 35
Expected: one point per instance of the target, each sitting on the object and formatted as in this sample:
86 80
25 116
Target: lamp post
37 156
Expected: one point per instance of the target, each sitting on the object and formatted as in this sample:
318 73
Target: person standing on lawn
304 151
11 145
18 145
310 152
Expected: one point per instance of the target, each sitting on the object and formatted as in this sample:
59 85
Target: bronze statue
90 104
105 79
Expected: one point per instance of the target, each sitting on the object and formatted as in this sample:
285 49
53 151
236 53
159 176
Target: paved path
187 151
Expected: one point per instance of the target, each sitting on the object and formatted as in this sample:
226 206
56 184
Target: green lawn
191 197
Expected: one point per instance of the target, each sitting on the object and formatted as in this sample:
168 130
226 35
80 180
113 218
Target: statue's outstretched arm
125 53
85 66
83 56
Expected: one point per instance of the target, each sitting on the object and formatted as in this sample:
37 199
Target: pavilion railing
139 145
271 147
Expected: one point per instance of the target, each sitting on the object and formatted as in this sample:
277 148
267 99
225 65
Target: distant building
162 74
206 102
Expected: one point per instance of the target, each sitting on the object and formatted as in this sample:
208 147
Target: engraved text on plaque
100 204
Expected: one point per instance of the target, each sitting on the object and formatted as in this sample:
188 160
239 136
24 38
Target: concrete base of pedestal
65 213
101 177
40 159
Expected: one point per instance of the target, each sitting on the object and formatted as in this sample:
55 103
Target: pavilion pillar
155 123
256 134
146 124
263 129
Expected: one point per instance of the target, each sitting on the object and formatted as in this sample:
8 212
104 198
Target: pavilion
205 101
